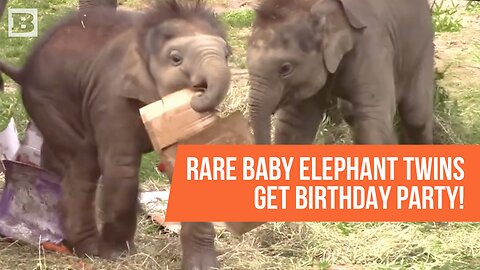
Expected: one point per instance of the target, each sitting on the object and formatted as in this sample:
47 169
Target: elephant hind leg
78 203
198 246
57 125
416 108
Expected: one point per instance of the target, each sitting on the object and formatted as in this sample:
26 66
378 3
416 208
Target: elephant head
179 46
293 48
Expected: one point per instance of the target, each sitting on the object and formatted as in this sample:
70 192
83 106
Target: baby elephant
376 55
83 85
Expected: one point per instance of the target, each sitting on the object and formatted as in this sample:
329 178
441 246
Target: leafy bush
444 18
238 19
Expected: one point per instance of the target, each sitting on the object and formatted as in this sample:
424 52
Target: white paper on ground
9 142
29 155
155 204
29 151
26 150
33 137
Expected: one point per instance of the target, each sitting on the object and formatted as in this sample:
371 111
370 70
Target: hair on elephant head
293 48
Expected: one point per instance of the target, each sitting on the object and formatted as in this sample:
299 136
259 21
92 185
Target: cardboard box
171 119
171 122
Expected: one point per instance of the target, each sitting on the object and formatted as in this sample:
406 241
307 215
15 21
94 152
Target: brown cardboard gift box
171 121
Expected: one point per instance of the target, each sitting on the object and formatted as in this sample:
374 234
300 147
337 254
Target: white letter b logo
22 22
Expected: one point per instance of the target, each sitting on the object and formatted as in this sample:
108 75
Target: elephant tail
3 4
10 71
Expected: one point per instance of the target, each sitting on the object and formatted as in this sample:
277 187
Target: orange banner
323 183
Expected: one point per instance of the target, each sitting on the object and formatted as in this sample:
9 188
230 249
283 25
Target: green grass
445 19
309 246
14 49
11 106
473 6
238 25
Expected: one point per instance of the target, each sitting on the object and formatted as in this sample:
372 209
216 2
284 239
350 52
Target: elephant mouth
284 101
200 88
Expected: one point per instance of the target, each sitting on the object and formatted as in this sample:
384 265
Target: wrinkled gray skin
101 70
375 55
87 4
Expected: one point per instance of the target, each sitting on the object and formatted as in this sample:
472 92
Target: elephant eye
176 58
286 69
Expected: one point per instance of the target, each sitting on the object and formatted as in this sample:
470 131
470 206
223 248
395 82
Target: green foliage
14 49
445 18
11 106
147 168
344 228
238 24
476 52
473 6
448 128
238 19
324 266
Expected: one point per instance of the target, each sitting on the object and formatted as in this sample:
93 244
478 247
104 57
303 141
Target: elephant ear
357 12
335 22
137 82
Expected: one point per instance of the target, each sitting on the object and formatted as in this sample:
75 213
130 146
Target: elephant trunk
263 102
215 73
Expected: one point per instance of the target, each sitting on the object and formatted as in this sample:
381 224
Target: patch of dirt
234 5
458 58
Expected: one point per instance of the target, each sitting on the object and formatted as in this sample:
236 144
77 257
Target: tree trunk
86 4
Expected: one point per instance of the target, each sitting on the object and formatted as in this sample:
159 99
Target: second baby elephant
83 85
376 55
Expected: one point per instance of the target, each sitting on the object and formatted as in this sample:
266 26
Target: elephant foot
86 248
198 246
200 260
117 240
114 251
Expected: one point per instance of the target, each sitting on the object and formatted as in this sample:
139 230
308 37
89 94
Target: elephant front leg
119 201
198 246
372 125
298 123
78 203
416 109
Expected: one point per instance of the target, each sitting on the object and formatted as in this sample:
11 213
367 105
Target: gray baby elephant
376 55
